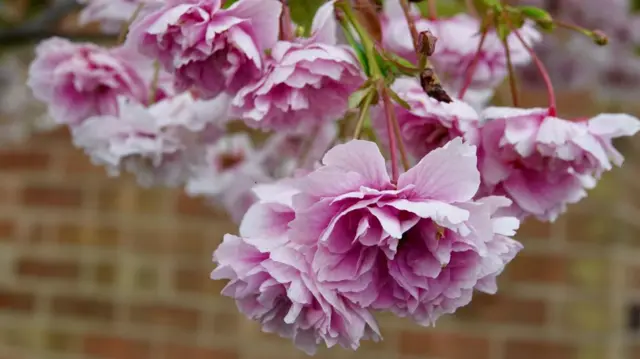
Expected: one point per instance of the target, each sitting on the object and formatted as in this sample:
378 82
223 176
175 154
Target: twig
40 26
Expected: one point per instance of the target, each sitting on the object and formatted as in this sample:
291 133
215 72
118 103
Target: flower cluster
367 172
317 253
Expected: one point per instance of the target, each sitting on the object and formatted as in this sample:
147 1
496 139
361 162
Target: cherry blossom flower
272 279
159 144
78 81
543 162
208 47
306 83
230 169
418 248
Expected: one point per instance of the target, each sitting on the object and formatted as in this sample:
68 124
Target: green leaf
357 97
399 100
359 50
445 8
535 13
302 12
226 4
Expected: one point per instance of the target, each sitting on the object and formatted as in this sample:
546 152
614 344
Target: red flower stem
512 75
390 115
398 134
125 27
471 69
543 72
433 10
406 9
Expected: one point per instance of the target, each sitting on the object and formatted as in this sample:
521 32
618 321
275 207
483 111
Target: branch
39 27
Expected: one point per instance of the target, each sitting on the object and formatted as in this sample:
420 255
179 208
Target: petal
324 26
447 174
264 16
614 125
442 213
362 157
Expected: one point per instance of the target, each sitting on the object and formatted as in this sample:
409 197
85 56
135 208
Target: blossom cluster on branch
359 154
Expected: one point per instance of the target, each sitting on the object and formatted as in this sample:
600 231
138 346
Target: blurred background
93 267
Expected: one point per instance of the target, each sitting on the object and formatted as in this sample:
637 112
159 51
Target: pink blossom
113 14
159 144
543 162
78 81
429 123
272 280
230 169
458 40
208 47
418 248
306 83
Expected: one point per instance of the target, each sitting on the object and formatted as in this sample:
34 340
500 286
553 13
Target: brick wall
98 268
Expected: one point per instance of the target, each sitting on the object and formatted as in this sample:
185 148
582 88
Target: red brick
443 345
194 206
73 234
16 301
539 268
36 232
48 196
59 135
109 199
104 274
48 268
78 162
7 195
105 236
501 308
197 280
633 277
61 341
23 160
82 308
225 323
521 349
167 315
152 241
171 351
590 228
193 243
67 233
533 229
104 347
7 230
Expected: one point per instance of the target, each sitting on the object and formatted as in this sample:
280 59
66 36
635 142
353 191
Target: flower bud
599 37
427 43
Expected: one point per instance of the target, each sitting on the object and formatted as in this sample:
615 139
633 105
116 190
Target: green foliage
302 12
445 8
540 16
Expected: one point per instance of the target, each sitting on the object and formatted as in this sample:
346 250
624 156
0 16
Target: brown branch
40 27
